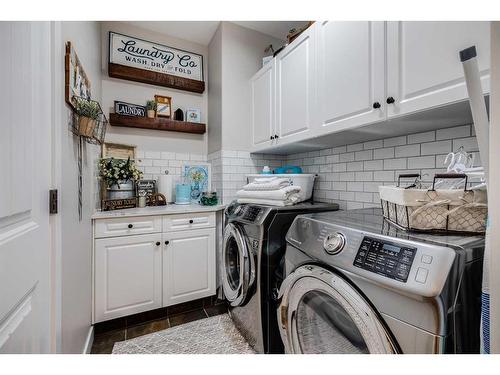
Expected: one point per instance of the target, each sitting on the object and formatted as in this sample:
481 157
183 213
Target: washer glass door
237 266
321 313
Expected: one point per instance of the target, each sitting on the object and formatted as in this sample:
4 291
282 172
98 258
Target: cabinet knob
130 226
271 137
390 100
376 105
158 243
276 136
191 221
167 242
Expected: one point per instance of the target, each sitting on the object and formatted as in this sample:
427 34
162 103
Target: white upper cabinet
350 75
262 86
295 88
423 64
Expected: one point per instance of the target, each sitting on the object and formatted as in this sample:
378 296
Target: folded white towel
263 180
272 183
281 194
267 202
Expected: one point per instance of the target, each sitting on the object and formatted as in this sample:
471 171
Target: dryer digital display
385 258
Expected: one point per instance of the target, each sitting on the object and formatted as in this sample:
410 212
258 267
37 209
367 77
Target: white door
262 85
25 144
423 64
295 88
188 265
350 76
127 275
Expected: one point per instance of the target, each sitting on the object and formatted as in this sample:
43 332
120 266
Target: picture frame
204 183
163 106
77 83
193 115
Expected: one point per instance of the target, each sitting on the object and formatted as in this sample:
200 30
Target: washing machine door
238 268
320 312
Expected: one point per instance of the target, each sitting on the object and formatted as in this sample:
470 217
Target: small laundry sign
141 54
129 109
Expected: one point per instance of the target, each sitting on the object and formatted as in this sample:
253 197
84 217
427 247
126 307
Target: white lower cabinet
188 265
128 275
136 273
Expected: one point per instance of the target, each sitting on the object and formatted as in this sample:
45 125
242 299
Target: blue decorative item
198 176
182 194
288 169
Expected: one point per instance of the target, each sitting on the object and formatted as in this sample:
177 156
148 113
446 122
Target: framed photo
163 106
76 80
193 115
199 176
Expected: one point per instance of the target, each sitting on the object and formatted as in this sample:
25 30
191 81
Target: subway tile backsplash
350 175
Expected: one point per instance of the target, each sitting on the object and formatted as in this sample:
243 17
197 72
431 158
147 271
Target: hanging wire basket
91 129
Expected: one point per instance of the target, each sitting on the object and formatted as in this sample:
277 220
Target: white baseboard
90 340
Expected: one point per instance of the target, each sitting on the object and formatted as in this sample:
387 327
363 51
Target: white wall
76 236
215 91
242 52
138 93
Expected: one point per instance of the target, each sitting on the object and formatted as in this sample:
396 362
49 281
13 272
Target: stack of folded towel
272 191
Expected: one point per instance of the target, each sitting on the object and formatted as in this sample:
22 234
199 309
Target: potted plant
88 112
151 107
119 176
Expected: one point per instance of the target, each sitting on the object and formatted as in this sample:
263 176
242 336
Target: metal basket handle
450 176
407 175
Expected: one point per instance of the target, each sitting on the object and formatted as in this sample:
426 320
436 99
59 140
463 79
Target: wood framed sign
129 109
163 106
146 188
118 151
118 204
139 60
76 80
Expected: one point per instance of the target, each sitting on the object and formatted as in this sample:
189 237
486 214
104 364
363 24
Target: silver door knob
334 243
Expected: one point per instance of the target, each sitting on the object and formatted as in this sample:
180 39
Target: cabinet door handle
158 243
191 221
376 105
390 100
167 242
130 226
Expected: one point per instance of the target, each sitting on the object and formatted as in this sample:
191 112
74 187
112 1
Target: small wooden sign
76 80
148 62
129 109
118 151
118 204
146 188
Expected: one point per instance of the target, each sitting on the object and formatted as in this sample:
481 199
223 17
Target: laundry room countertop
169 209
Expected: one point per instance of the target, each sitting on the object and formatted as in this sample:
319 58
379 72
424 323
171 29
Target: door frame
55 220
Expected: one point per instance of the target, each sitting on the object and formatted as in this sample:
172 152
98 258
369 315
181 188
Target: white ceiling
202 31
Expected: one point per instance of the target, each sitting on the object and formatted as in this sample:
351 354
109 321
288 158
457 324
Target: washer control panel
385 258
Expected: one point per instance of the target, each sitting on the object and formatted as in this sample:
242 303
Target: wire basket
435 210
91 130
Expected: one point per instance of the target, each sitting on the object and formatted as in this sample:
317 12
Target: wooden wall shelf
157 123
155 78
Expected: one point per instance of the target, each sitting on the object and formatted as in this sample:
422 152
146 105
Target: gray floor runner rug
215 335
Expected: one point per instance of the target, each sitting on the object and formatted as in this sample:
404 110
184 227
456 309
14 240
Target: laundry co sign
137 53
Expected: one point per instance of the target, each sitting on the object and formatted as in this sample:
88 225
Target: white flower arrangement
115 170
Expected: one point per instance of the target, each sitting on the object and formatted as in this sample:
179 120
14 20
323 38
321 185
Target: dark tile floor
129 327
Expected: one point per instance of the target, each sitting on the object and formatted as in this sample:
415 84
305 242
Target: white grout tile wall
229 170
350 175
154 163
